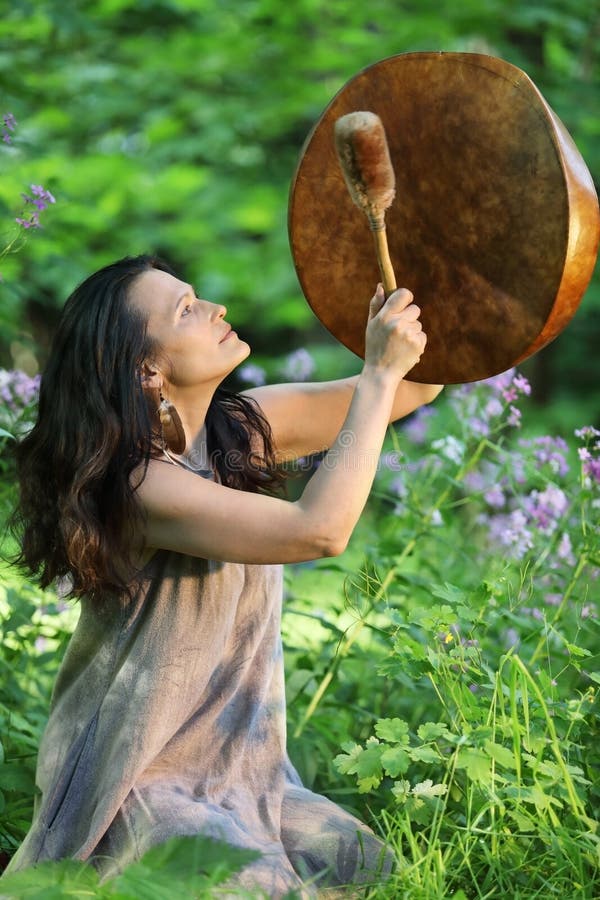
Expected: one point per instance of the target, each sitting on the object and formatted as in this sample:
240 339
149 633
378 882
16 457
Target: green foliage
177 126
181 866
461 659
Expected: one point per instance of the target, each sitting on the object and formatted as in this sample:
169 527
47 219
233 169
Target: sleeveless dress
168 718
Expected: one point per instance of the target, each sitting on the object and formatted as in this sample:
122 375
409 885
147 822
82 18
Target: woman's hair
76 505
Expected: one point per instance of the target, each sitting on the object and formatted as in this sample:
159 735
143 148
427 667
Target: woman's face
191 332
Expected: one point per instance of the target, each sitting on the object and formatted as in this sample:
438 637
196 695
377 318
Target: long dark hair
76 505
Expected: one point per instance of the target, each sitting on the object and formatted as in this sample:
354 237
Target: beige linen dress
168 718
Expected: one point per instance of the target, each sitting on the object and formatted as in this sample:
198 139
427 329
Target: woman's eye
186 309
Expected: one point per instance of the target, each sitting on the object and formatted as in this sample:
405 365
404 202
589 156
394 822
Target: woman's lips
228 335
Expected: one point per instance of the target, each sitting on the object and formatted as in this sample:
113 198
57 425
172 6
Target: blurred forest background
175 126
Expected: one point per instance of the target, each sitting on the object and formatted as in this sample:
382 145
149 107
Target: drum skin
494 228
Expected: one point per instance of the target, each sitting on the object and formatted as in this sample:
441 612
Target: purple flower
398 487
511 637
549 450
252 374
565 549
587 431
416 427
299 365
495 497
475 481
591 468
514 418
518 386
511 532
546 507
500 382
9 124
584 454
493 408
479 427
522 385
17 390
32 222
41 197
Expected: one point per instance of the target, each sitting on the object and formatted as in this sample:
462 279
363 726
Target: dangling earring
171 426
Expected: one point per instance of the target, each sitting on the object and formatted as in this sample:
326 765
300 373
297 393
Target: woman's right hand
394 340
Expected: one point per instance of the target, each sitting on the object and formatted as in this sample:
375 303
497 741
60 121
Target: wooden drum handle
364 156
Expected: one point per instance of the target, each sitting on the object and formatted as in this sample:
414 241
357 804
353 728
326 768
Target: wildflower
514 418
298 365
493 408
479 427
522 385
398 487
546 507
252 374
475 481
549 450
17 391
511 532
450 447
565 549
591 468
495 497
416 427
518 385
436 517
500 382
584 454
8 125
588 431
553 599
32 222
41 197
511 638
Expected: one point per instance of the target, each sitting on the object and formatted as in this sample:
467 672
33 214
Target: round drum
495 223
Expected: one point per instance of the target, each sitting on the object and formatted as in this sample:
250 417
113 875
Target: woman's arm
191 515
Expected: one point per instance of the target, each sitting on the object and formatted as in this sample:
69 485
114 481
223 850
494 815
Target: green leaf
54 879
476 763
189 862
401 790
395 761
428 789
577 651
424 754
447 591
502 755
346 762
431 731
394 730
15 777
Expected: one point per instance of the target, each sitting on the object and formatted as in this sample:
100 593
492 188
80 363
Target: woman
153 490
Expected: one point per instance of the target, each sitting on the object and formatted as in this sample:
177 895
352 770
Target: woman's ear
150 376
